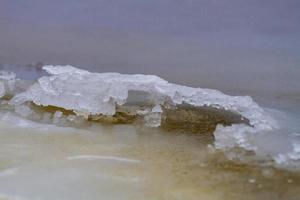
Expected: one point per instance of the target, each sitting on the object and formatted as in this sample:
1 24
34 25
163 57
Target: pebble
290 180
252 180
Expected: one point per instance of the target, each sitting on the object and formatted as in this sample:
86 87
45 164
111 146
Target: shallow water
127 162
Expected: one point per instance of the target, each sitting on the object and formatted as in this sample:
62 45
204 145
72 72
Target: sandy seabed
128 162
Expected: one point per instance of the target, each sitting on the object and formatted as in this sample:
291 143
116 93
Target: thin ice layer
99 93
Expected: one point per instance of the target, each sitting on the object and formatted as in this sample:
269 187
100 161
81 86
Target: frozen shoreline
85 94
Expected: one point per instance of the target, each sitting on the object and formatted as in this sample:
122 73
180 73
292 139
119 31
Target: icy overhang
88 93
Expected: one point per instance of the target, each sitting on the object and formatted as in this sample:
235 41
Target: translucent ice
7 82
89 93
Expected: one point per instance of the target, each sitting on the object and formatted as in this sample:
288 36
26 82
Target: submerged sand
128 162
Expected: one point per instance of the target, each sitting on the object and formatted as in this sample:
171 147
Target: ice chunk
23 110
57 117
89 93
156 109
85 92
292 158
46 118
2 89
7 82
76 119
153 118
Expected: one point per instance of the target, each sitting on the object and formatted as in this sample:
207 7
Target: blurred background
240 47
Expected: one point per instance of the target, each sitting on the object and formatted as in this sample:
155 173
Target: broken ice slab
106 97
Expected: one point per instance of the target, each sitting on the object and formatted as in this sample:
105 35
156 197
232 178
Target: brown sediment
120 117
117 118
199 119
51 109
124 115
184 118
7 97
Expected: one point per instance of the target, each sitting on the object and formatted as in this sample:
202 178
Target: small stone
268 173
211 149
290 181
252 180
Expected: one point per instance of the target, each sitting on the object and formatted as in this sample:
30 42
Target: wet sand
127 162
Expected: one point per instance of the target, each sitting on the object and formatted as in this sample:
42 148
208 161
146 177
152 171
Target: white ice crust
99 93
